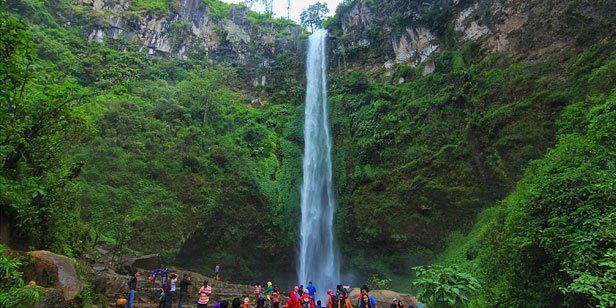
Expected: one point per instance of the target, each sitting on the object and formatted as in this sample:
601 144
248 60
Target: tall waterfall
318 258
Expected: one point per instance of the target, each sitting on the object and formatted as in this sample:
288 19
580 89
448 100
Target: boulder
109 283
148 262
385 297
51 270
51 298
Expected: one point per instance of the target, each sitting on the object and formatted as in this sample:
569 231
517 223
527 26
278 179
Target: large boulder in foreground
386 297
51 270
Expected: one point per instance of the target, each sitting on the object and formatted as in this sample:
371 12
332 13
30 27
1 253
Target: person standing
204 295
330 298
276 298
184 283
257 291
306 300
170 291
217 272
261 302
132 289
164 273
292 301
161 297
168 298
311 289
269 290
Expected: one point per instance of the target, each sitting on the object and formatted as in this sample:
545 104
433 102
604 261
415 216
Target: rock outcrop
386 297
51 270
365 36
147 262
191 26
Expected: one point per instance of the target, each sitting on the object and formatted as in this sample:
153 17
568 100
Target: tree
40 121
313 15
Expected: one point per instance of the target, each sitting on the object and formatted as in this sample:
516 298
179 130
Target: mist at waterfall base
318 259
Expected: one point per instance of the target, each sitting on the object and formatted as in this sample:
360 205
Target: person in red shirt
292 301
307 301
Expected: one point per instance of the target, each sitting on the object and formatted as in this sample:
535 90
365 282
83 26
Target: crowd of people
172 287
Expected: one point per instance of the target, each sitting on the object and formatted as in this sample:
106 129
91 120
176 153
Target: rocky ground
105 275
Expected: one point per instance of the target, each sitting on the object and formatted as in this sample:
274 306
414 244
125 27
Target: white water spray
318 258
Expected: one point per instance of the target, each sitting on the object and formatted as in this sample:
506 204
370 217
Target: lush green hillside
145 154
420 156
499 160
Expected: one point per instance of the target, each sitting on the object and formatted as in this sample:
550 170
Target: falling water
318 259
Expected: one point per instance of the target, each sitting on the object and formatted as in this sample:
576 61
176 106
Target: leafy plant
440 286
377 282
12 290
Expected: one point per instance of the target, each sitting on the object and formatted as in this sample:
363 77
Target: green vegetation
444 286
12 290
314 15
158 7
499 170
555 233
145 155
218 9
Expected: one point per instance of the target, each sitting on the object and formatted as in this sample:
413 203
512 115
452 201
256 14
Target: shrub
440 286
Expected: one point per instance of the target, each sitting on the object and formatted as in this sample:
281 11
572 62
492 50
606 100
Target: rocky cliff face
372 34
381 34
220 32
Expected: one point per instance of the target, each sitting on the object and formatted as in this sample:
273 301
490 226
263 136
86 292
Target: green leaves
440 286
12 290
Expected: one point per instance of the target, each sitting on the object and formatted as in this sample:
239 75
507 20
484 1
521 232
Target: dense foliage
98 150
440 286
433 150
554 234
41 118
12 290
505 164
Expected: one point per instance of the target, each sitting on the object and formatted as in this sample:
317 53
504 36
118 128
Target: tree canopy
314 15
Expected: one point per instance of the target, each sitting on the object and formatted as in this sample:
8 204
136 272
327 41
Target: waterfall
318 257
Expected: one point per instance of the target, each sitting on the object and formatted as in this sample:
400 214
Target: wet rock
48 269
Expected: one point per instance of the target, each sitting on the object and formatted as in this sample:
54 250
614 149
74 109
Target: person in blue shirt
311 289
365 291
154 274
164 274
